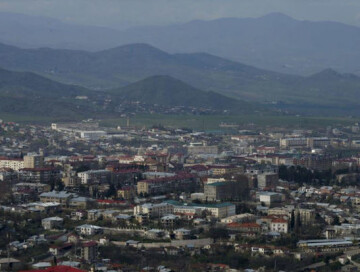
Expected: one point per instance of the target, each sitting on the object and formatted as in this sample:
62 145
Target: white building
154 210
279 225
52 222
219 210
88 229
268 198
92 135
12 163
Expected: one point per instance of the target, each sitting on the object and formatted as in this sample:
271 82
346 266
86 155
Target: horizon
127 14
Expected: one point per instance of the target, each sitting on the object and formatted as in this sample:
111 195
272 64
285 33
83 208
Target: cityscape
166 136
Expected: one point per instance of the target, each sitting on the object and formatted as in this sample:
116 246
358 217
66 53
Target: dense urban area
243 198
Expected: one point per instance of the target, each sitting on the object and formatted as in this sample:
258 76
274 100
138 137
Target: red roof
38 169
10 159
89 244
279 220
59 268
243 225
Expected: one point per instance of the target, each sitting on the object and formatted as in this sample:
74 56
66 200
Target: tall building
267 180
89 251
227 190
33 160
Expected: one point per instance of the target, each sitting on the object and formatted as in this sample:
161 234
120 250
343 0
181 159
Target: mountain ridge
168 91
274 41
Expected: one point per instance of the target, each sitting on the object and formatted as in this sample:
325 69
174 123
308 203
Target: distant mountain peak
327 73
134 46
169 91
277 16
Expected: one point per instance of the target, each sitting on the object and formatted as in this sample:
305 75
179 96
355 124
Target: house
78 215
62 197
155 233
182 233
88 229
93 215
59 250
52 223
169 220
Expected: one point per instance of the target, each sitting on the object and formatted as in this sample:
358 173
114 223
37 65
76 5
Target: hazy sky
124 13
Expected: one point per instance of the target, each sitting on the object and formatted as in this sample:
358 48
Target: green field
212 122
197 122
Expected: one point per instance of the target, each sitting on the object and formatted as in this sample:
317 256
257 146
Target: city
179 136
100 198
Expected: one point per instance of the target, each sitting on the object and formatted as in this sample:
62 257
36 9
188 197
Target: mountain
123 65
129 63
36 31
168 91
28 94
275 41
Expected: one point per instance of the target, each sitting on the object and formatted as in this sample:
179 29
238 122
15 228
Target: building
126 193
318 142
52 223
182 234
168 221
325 244
279 225
95 176
92 135
269 198
315 162
61 197
43 175
244 227
31 187
199 149
267 180
219 191
239 218
183 182
10 264
33 160
89 251
218 210
88 230
220 170
80 202
307 216
154 210
293 142
12 163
